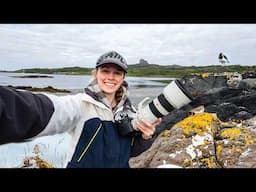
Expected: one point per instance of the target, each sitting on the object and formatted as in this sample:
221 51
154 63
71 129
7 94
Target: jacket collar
95 96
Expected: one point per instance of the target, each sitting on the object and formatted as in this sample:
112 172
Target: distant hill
148 70
64 70
179 71
139 65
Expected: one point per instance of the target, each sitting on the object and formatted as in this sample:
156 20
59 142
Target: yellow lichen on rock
231 133
249 138
205 75
218 150
197 124
203 141
166 133
209 162
36 161
242 134
42 163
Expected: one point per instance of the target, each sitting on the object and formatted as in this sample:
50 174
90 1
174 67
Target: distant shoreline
33 76
146 70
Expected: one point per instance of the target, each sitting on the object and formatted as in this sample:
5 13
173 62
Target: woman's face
110 77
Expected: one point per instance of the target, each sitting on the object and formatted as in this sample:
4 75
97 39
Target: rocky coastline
217 130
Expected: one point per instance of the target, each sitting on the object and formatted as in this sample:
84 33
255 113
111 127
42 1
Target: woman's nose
111 75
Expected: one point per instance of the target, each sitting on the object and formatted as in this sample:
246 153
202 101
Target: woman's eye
118 73
105 71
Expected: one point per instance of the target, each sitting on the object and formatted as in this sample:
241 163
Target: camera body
124 123
174 96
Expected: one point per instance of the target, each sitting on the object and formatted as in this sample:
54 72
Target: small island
33 76
49 89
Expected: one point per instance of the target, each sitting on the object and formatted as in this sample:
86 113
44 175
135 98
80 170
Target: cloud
62 45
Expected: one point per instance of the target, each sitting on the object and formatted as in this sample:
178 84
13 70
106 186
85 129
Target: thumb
157 122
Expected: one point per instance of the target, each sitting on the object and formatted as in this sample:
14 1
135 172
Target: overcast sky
67 45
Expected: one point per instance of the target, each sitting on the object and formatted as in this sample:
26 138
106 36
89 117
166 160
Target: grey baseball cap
114 58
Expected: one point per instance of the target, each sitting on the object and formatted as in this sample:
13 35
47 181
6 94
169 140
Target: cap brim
115 63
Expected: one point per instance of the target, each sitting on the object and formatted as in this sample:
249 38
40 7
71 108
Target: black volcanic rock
236 103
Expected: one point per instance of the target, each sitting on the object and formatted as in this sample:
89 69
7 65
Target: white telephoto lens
174 96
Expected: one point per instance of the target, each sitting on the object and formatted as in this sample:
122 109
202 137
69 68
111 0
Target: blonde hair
93 72
120 91
119 94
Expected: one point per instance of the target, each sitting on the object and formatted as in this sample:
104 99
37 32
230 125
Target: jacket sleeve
140 145
22 114
67 114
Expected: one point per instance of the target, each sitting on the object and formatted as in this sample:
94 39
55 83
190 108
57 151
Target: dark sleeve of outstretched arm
140 145
22 114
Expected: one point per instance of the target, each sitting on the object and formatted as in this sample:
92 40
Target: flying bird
223 58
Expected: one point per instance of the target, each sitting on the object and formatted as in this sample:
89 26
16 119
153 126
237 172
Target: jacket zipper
89 144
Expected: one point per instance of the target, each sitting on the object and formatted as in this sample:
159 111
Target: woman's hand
147 128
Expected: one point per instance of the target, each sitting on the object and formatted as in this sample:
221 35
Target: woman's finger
144 128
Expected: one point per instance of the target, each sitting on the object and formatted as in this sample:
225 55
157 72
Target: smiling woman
89 118
54 148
